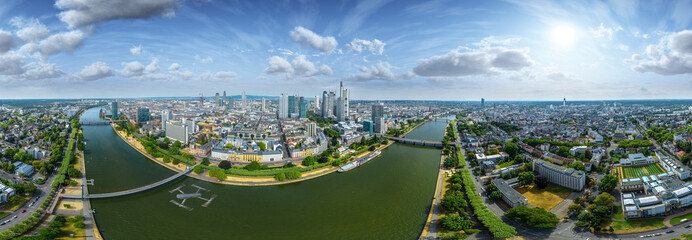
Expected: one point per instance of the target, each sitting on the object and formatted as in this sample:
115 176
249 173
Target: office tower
330 103
482 102
216 100
564 102
317 103
378 118
263 104
296 106
244 103
231 103
367 126
302 108
324 107
166 115
201 99
114 110
177 130
342 104
142 115
223 101
283 106
291 105
311 129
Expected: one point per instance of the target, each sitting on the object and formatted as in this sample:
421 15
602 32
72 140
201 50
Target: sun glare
563 35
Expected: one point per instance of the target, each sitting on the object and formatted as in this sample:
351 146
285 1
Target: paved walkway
430 229
668 218
561 209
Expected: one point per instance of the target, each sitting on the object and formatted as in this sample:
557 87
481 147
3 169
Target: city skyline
383 50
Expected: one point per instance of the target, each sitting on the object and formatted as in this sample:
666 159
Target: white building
283 106
176 130
566 177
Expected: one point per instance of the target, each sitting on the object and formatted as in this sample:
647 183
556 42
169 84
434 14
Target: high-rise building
564 102
244 103
302 108
482 102
311 129
283 106
114 110
378 118
223 101
324 107
342 104
142 115
201 99
231 103
166 115
331 97
291 105
176 130
263 104
216 100
317 103
367 126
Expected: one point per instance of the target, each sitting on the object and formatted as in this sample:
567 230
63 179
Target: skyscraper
263 102
231 103
482 102
166 115
342 103
114 110
324 107
378 118
142 115
244 103
283 106
223 101
330 103
317 103
216 100
564 102
291 105
302 108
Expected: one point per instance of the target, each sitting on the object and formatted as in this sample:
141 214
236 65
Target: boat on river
359 162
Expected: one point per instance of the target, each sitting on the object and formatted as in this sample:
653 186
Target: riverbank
231 179
435 201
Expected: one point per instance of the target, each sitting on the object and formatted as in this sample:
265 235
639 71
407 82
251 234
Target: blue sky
431 50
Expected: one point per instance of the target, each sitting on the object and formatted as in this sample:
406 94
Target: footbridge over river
417 142
131 191
100 122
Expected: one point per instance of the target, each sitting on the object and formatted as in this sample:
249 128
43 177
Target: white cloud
86 12
39 71
63 41
6 41
95 71
278 65
153 66
673 58
604 32
299 67
175 70
624 47
157 77
485 61
204 60
379 71
309 38
174 67
11 63
225 75
132 69
558 76
30 30
136 50
358 45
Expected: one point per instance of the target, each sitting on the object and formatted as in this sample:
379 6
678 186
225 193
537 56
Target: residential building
566 177
177 130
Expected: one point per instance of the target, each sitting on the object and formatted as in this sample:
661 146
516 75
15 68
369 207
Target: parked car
23 211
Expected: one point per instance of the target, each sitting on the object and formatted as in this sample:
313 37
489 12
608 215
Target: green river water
388 198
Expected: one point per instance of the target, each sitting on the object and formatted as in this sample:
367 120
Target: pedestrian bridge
417 142
131 191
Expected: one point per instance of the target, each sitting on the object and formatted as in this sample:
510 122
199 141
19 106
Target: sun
563 35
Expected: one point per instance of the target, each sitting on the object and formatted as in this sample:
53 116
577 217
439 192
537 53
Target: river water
388 198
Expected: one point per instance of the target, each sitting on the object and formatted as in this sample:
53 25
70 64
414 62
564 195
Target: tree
576 208
496 195
534 217
491 187
205 161
519 159
456 222
225 164
166 159
541 181
198 169
587 154
495 151
253 166
526 178
262 146
453 203
176 161
608 183
604 199
280 177
585 216
74 173
512 149
309 161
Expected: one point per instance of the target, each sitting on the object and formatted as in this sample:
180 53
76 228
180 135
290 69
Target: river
388 198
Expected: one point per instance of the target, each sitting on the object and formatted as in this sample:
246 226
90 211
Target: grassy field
3 214
633 172
69 228
546 198
13 207
636 225
617 214
677 220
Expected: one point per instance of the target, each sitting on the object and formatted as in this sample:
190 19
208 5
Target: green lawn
3 214
505 164
13 207
633 172
636 225
677 220
617 213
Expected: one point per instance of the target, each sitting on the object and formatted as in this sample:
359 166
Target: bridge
417 142
100 122
130 191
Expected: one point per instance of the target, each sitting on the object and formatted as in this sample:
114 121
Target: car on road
671 231
23 211
688 226
657 234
